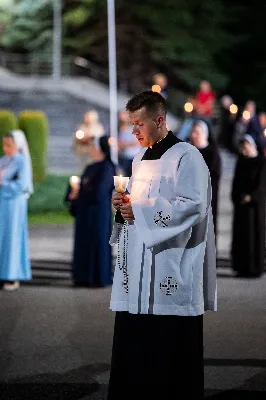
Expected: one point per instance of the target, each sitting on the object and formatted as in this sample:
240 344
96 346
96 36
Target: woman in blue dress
15 188
90 204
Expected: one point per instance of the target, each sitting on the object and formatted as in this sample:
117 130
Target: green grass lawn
46 205
50 218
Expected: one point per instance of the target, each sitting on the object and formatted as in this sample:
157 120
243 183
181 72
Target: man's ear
159 122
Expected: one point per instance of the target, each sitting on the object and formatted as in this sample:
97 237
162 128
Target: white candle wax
74 181
120 183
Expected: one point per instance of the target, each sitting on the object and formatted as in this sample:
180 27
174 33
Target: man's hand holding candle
121 202
126 210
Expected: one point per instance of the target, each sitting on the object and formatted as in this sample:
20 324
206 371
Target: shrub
35 126
8 122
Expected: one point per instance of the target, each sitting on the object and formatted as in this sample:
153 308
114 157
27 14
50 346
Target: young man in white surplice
165 275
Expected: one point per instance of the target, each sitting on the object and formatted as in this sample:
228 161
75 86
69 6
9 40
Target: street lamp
112 80
57 40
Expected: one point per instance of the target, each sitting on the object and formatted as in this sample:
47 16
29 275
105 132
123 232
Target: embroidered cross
168 285
161 219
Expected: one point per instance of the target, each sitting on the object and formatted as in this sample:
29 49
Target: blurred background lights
233 108
246 115
79 134
188 107
156 88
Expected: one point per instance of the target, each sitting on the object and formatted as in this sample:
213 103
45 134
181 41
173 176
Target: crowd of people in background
211 125
208 123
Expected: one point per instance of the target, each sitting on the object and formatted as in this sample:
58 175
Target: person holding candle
15 188
248 197
165 274
89 201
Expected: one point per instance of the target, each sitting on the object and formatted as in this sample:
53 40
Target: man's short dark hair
153 102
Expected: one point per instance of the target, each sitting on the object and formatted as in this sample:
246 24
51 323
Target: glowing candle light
74 181
80 134
120 186
233 108
246 115
188 107
264 132
120 183
156 88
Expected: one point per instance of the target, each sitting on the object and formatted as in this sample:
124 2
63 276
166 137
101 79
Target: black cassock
153 356
92 260
212 158
248 235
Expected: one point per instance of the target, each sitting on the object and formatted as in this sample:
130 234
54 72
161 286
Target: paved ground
55 340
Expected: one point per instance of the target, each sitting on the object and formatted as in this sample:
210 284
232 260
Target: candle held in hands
120 183
74 181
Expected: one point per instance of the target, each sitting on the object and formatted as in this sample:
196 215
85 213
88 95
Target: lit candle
246 115
74 181
233 108
120 183
80 134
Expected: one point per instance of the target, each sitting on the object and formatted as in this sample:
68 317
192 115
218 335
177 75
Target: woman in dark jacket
90 204
200 137
248 197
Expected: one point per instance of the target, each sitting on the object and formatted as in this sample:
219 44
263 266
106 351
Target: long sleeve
209 272
236 196
158 219
11 187
259 183
215 168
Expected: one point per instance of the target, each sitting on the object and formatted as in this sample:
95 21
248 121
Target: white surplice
166 263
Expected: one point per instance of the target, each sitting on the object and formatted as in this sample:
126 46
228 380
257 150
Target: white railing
42 65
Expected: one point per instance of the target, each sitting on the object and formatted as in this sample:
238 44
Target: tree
30 27
177 37
245 64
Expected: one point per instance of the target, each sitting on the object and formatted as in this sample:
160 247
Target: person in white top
165 274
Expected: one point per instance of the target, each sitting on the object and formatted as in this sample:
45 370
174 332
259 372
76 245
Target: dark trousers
155 356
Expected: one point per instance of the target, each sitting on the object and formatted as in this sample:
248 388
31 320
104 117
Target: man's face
145 128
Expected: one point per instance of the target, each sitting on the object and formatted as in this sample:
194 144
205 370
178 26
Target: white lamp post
57 40
112 80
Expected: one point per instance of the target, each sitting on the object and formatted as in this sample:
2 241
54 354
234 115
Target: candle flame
233 108
246 115
80 134
74 179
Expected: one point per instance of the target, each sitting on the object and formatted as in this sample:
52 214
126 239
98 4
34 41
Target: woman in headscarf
15 189
90 204
248 197
201 138
91 127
